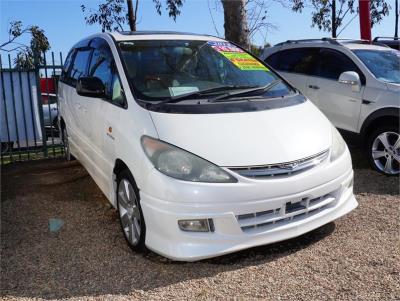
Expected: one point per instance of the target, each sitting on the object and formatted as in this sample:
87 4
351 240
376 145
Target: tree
27 54
330 15
112 15
244 19
235 22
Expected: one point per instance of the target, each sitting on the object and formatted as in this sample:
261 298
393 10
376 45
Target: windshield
384 64
165 69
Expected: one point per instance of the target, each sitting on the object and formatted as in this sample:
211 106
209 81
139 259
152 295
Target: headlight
182 165
338 144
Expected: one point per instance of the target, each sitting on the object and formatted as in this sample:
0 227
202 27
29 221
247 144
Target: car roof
333 43
354 46
161 35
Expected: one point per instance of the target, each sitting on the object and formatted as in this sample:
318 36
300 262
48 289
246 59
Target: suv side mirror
351 78
90 87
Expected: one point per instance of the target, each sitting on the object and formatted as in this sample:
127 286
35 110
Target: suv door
339 102
295 65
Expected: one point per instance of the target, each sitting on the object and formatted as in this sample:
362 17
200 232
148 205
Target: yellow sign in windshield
237 56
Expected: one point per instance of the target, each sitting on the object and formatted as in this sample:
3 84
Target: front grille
281 169
287 213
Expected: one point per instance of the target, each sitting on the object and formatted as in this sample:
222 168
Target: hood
252 138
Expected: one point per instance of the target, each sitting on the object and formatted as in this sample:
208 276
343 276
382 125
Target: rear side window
333 63
79 66
298 60
67 65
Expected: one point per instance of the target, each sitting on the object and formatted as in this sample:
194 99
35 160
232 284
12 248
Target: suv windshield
384 64
165 69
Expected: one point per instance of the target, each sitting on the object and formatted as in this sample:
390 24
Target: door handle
313 87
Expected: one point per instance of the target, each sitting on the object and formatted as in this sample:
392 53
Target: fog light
196 225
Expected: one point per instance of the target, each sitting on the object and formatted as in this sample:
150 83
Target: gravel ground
357 257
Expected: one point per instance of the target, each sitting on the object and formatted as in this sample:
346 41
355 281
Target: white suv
356 84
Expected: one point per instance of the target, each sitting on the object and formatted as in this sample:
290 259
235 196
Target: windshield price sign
237 56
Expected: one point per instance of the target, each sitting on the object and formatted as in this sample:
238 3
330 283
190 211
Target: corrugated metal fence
29 110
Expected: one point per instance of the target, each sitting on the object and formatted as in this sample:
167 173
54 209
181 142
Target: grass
53 151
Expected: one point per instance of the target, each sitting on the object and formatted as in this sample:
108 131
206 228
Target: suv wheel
130 212
384 150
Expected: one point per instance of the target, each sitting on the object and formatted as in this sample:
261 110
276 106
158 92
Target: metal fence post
39 103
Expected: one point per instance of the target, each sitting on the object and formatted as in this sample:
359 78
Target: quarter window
103 67
67 65
100 67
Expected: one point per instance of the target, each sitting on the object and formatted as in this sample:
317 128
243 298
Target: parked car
356 84
50 110
389 41
201 147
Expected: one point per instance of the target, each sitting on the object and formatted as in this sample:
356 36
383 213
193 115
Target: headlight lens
182 165
338 144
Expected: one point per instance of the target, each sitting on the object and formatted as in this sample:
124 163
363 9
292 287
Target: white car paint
339 102
226 139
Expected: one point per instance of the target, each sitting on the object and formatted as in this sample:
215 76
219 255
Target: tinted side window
102 66
80 63
299 60
273 60
332 63
67 65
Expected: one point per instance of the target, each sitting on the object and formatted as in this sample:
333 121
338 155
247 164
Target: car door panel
338 101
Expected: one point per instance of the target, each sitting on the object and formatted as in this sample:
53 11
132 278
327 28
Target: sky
64 25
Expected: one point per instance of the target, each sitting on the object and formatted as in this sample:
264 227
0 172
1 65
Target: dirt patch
357 257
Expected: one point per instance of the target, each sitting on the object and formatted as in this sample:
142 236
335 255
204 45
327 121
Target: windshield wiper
246 91
190 95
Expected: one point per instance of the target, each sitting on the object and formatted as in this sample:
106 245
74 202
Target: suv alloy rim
129 211
386 152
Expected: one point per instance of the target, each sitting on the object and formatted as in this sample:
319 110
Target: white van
201 148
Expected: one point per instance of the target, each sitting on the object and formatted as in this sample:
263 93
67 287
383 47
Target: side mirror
90 87
351 78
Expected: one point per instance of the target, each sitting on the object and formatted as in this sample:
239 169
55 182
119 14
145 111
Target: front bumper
224 203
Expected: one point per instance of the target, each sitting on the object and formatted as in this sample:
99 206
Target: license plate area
293 207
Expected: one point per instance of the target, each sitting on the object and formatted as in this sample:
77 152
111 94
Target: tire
130 212
67 151
383 149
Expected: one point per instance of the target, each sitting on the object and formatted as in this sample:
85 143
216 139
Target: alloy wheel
386 152
129 212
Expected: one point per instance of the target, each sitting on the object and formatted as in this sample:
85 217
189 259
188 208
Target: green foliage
173 7
112 15
26 54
